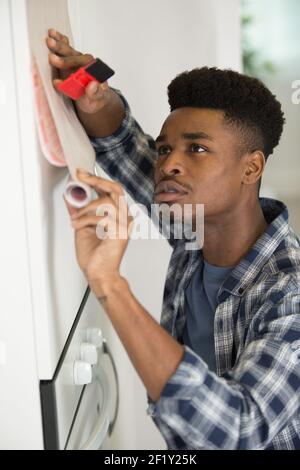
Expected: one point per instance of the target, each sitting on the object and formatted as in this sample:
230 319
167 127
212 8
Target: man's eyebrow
161 138
189 136
196 135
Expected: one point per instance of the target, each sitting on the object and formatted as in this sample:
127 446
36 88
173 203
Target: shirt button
241 290
221 324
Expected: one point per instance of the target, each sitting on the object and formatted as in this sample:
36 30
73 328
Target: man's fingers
114 189
89 221
97 182
94 205
56 61
61 48
57 35
56 82
70 62
92 90
95 90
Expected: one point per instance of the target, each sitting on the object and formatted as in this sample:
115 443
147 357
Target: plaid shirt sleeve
128 156
252 403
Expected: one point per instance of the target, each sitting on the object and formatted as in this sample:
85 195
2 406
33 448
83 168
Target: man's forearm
152 351
107 120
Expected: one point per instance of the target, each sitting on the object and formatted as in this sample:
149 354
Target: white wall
148 44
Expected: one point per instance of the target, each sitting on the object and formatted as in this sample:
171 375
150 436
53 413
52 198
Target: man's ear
254 167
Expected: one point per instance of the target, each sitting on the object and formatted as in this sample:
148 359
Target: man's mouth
169 191
168 196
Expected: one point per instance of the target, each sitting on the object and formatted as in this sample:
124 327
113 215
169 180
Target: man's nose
170 165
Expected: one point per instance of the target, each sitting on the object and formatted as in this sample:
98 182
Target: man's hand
67 60
153 352
100 258
100 109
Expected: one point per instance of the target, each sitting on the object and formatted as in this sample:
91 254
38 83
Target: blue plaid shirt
253 399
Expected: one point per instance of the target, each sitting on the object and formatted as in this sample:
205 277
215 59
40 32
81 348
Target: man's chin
177 212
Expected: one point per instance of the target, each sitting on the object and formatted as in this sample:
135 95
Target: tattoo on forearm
102 299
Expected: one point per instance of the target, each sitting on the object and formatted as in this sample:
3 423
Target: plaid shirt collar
250 267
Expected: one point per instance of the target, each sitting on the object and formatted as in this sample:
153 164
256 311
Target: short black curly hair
246 101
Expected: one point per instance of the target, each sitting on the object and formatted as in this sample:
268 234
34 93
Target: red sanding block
74 86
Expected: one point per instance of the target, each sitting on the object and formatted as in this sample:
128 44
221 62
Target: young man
222 371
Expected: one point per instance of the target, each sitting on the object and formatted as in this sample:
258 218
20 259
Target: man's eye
197 148
163 150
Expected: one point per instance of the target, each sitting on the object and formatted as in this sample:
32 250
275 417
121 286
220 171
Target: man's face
196 150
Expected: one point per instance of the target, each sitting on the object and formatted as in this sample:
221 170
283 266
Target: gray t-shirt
201 303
